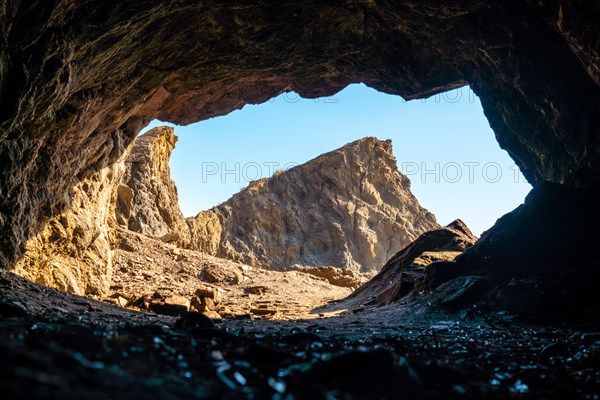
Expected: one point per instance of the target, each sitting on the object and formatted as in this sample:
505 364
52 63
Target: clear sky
443 144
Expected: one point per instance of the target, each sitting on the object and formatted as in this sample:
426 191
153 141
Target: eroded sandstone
349 208
147 200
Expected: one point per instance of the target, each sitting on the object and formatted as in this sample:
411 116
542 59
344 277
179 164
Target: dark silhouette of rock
408 269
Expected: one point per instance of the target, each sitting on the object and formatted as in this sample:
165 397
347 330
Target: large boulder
407 270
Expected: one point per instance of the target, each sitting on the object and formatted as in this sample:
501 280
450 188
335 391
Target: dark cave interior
79 79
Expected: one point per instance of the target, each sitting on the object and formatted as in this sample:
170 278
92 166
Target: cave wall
80 78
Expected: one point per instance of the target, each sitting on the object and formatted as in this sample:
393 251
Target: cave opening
512 314
443 144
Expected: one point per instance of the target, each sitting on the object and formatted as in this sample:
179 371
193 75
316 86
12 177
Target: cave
515 314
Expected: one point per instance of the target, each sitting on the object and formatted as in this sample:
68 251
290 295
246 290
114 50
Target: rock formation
78 80
349 208
407 270
551 273
147 200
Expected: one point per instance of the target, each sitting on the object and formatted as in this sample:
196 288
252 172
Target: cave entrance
443 144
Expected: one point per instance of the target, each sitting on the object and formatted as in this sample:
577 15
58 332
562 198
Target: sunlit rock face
349 208
79 79
74 250
147 200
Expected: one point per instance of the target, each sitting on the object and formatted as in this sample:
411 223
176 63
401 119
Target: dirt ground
57 345
153 268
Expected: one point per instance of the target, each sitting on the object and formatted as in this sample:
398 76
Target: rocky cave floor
58 345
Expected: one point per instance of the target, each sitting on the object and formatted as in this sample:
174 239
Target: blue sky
443 144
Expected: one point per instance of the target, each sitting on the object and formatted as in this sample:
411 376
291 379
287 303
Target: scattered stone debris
56 345
162 278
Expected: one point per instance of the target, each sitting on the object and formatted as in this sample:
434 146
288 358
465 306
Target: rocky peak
349 208
147 200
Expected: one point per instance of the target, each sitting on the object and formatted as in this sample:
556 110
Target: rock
542 237
263 311
590 337
203 304
225 312
350 208
404 272
403 286
374 374
554 349
208 304
171 237
256 289
174 306
150 204
127 246
535 255
212 314
178 300
124 204
215 274
12 309
521 296
73 249
119 299
193 320
459 292
212 293
195 304
335 276
142 302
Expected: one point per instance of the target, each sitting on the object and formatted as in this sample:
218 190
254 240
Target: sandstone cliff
348 208
147 200
408 269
